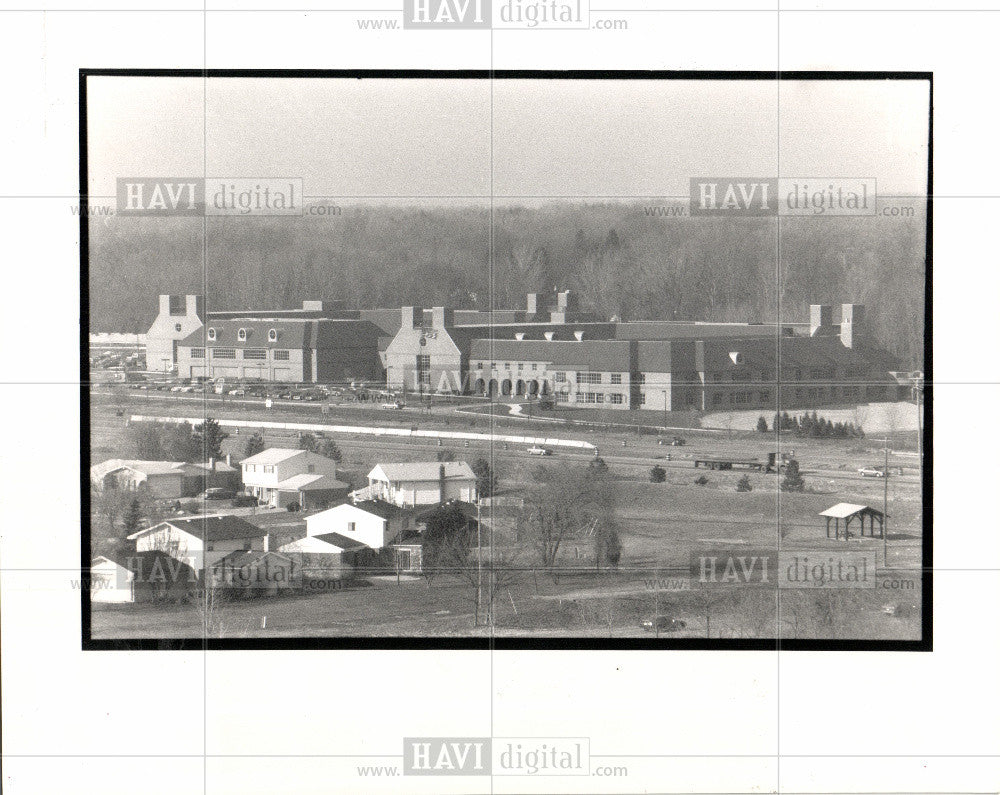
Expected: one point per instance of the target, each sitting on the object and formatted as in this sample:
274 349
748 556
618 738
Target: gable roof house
201 541
280 476
140 577
163 479
419 483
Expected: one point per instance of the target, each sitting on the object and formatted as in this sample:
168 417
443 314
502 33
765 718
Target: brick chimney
852 325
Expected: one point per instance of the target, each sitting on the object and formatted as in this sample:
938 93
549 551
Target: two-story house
201 541
280 476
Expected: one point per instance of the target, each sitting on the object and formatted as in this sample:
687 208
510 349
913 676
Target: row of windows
248 353
506 365
588 378
599 397
242 334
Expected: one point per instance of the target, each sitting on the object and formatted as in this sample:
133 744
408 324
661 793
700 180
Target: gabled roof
240 559
311 482
342 542
105 468
596 355
220 466
422 471
273 455
844 509
217 527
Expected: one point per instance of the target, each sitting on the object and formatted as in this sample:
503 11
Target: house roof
220 466
273 455
99 471
422 471
312 482
844 509
342 542
309 545
384 510
241 558
597 355
216 527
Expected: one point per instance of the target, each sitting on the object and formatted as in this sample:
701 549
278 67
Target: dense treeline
621 259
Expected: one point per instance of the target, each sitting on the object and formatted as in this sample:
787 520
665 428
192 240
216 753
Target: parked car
678 441
245 501
537 450
872 472
395 404
217 494
662 623
238 392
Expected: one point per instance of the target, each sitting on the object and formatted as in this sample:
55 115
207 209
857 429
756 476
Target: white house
368 524
201 541
420 483
280 476
110 582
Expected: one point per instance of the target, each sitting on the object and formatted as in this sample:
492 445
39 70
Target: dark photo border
89 643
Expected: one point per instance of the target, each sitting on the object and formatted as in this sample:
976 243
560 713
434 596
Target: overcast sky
549 137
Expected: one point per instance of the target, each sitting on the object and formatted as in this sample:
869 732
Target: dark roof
345 543
216 528
292 333
384 509
668 330
242 558
601 355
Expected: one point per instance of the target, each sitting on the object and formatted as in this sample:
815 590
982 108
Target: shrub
793 480
657 474
599 467
294 507
743 484
701 481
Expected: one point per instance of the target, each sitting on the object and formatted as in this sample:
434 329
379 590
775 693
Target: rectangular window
534 365
281 356
600 397
268 469
640 378
520 366
642 399
716 398
559 377
616 398
351 526
197 353
588 378
255 353
479 365
616 378
223 353
423 362
562 397
177 305
765 395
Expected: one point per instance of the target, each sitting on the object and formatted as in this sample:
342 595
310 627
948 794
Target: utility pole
885 507
479 555
664 411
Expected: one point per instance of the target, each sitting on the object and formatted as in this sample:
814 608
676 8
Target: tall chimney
852 328
441 483
408 317
820 319
532 304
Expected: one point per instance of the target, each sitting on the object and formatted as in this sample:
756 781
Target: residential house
256 573
365 533
146 576
201 541
419 483
280 476
163 479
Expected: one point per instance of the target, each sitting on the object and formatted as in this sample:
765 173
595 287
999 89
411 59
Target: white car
536 450
871 472
394 405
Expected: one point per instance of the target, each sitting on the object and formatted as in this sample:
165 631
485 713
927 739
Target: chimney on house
441 483
408 317
820 319
195 305
852 325
442 317
312 306
211 463
531 304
